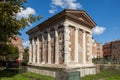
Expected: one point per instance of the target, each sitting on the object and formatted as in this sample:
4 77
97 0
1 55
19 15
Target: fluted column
30 52
56 47
40 43
90 40
33 44
66 44
76 45
38 51
43 50
84 47
49 48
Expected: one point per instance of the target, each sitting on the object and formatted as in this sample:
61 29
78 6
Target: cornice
65 14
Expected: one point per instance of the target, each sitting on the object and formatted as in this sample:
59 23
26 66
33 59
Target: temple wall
52 71
61 47
80 47
66 45
72 45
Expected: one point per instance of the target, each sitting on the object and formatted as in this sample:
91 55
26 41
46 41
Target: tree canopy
9 51
9 24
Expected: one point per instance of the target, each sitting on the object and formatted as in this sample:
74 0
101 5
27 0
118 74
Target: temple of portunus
63 41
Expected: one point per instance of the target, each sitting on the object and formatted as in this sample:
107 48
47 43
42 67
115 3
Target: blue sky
106 14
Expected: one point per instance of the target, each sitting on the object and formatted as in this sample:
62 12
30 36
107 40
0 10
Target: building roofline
60 14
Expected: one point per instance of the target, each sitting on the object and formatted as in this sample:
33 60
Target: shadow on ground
8 73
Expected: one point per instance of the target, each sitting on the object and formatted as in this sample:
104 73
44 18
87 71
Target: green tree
9 24
12 52
25 56
9 51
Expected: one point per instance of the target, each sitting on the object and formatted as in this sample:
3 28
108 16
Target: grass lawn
38 76
104 75
13 74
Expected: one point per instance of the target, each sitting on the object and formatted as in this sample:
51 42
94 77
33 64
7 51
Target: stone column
66 44
49 48
30 52
90 40
76 45
33 44
38 51
84 47
43 55
56 47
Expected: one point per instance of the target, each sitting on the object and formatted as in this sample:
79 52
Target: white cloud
98 30
53 10
25 13
67 4
26 44
57 2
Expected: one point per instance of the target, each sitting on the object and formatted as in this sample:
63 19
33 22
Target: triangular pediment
82 16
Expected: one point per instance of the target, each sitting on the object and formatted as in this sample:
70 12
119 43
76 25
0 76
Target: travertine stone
53 47
61 46
76 45
80 47
38 51
63 41
84 47
66 44
33 44
30 52
56 47
72 44
45 49
90 47
43 55
49 48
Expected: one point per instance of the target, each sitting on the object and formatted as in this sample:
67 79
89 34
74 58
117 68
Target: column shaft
84 47
33 44
43 50
49 49
38 51
76 46
56 48
90 47
30 53
66 44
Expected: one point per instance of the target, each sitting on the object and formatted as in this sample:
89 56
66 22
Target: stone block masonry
63 41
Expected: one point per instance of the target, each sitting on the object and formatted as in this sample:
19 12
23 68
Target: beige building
63 41
97 50
94 49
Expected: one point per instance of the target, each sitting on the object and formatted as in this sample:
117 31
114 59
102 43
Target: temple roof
78 16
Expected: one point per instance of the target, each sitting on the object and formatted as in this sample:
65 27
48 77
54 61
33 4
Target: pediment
78 16
82 16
